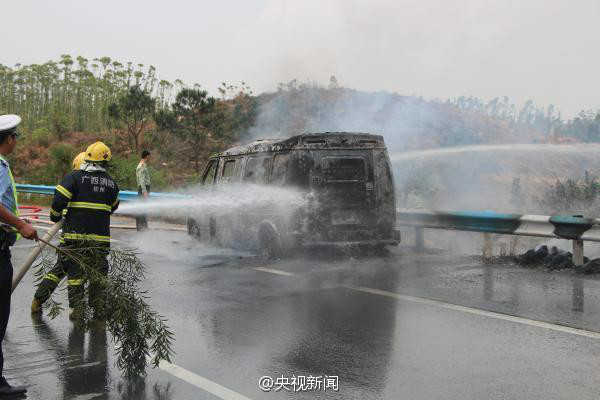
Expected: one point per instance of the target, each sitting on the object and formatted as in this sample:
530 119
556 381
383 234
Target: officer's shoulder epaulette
3 163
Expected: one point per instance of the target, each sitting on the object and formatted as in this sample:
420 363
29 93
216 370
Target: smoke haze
444 157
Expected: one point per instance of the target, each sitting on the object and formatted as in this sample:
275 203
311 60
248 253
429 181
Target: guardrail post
487 245
419 240
578 252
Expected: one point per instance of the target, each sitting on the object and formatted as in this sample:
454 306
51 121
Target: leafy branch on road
139 333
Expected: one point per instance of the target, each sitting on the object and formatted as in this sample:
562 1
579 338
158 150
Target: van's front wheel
269 243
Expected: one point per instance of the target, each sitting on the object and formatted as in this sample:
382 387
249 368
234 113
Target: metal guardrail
124 195
575 228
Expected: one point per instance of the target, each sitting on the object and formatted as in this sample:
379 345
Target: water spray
224 199
515 147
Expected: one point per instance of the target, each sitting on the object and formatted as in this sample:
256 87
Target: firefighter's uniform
53 278
90 195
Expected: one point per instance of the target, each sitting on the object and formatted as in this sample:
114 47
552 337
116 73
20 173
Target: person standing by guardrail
143 181
8 215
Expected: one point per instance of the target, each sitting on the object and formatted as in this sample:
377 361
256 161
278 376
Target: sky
543 50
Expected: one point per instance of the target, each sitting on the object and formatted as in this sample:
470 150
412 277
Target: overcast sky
544 50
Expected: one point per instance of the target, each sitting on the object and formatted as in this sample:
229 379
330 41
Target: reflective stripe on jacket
91 197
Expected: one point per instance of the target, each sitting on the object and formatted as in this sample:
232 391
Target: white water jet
516 147
221 199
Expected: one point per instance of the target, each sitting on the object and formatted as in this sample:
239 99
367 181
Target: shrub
60 124
417 181
573 196
61 157
40 136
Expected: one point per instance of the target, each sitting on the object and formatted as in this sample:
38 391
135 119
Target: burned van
345 179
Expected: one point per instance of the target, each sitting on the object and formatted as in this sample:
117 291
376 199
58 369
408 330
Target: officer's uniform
91 196
8 199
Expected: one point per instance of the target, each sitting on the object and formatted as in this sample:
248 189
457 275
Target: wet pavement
237 318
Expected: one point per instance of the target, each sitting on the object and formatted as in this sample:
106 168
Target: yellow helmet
78 160
97 152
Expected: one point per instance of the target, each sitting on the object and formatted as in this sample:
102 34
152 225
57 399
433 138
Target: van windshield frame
210 170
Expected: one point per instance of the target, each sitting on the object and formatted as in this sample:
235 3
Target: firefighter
91 196
8 215
52 279
78 160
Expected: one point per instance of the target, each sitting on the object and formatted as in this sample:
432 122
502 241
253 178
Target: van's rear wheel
269 243
193 229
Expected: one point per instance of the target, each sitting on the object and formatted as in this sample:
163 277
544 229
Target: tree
195 114
236 112
60 124
133 109
166 123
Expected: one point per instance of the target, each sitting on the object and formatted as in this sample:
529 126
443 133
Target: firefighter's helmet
97 152
78 160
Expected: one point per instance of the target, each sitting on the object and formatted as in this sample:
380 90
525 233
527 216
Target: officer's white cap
9 122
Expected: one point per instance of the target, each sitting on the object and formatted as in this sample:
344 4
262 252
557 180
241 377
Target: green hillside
69 103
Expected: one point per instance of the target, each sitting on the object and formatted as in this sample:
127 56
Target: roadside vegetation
70 102
573 196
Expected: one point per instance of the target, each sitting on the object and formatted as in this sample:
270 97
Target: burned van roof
324 140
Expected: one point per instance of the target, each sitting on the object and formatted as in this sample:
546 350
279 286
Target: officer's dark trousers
141 222
6 273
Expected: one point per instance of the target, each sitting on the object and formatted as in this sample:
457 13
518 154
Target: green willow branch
138 332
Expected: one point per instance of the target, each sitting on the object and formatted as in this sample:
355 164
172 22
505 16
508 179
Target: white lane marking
200 382
476 311
89 396
91 364
275 271
455 307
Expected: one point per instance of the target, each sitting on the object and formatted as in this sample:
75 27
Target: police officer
52 279
8 216
91 196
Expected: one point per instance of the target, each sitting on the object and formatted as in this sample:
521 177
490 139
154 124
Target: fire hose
35 253
18 276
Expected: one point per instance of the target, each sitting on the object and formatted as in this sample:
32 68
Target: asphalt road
400 326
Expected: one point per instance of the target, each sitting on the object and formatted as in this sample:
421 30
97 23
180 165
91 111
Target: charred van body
345 177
